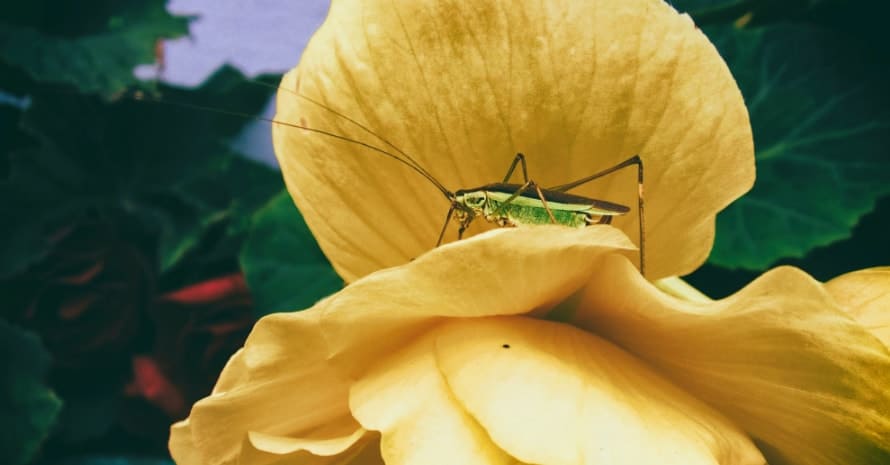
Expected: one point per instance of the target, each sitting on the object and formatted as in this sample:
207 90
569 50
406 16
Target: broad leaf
821 124
96 57
28 408
284 267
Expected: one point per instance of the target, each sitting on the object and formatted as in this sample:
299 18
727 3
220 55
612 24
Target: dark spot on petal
506 346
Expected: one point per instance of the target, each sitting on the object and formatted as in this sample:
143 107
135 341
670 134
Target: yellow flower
546 346
462 86
533 345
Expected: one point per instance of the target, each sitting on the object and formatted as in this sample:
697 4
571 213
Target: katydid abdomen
507 204
514 215
528 211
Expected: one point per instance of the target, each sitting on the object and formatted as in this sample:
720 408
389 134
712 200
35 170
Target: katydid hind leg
518 159
544 202
632 161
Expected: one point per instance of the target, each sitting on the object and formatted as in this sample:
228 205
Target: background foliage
814 82
143 247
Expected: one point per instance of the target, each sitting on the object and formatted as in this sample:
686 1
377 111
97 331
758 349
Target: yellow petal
406 399
549 393
333 442
261 449
233 374
182 448
365 451
578 86
778 358
369 454
293 375
256 394
502 272
865 295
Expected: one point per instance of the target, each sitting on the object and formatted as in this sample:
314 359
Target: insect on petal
461 87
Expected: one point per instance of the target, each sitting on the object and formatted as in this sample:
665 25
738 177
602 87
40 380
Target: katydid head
467 204
470 203
471 200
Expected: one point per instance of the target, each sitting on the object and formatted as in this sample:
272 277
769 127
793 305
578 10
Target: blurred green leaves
814 75
92 46
48 48
28 408
223 197
283 264
160 173
820 110
168 167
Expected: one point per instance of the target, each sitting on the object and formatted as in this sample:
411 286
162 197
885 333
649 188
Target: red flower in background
123 355
197 329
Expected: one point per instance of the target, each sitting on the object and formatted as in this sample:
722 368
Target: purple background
256 36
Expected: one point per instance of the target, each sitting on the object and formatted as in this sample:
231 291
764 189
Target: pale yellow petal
369 454
365 451
865 295
182 448
503 272
462 86
778 358
549 393
325 441
292 377
260 396
405 398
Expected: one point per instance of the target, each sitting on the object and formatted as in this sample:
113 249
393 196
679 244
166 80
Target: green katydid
503 203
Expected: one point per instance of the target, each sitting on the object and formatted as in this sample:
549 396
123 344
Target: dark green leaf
28 408
97 59
229 193
284 267
823 263
167 165
821 121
